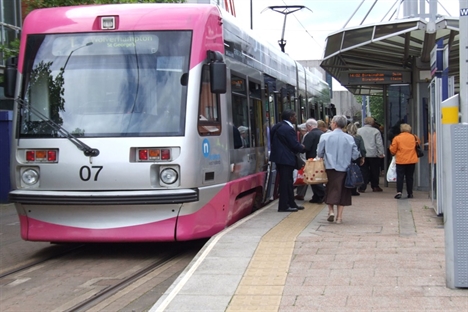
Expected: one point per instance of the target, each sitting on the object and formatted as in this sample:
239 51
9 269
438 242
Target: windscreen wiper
88 151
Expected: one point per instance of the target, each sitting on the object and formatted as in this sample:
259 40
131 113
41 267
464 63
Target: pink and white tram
126 120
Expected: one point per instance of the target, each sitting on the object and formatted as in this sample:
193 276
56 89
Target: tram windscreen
112 84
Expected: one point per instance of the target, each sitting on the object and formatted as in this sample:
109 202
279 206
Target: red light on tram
165 154
30 155
51 155
143 154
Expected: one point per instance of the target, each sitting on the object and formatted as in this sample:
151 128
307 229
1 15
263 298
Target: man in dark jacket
311 141
284 147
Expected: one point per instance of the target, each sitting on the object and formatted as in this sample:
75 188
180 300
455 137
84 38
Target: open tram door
270 101
279 96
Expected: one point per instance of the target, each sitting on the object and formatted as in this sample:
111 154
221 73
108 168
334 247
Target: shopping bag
391 172
314 171
353 176
299 177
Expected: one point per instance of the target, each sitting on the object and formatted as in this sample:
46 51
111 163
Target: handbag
299 162
391 172
419 151
353 176
299 177
314 171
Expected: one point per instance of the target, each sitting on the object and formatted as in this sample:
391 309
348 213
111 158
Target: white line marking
197 263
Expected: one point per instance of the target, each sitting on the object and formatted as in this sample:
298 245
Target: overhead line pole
285 9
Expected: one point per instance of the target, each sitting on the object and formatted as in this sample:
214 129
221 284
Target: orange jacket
403 147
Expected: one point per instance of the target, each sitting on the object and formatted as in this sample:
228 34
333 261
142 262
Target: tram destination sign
378 77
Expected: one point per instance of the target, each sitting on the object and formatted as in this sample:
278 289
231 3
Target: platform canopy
365 58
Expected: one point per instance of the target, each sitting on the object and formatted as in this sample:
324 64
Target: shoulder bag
419 151
353 176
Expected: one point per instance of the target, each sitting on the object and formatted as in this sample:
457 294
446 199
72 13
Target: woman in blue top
338 149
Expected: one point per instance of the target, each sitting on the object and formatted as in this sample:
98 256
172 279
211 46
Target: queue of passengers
339 145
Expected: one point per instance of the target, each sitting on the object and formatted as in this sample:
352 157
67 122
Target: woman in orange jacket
404 148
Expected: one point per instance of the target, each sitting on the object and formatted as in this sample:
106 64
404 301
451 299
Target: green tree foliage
376 107
12 49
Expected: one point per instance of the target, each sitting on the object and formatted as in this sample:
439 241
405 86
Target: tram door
271 119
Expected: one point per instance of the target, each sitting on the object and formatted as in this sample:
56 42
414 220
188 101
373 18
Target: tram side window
240 110
209 119
256 115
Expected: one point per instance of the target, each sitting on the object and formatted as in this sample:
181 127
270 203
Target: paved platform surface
387 255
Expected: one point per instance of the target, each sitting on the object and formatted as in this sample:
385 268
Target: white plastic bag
391 172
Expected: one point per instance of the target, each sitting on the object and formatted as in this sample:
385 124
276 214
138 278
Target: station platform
387 255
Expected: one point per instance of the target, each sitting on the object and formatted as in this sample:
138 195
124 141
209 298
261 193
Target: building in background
10 26
344 101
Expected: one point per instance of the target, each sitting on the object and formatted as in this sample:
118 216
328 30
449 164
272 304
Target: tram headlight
30 177
169 176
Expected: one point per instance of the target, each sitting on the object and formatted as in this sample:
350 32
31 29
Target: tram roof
389 46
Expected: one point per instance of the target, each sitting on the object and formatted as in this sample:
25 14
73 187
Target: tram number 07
86 172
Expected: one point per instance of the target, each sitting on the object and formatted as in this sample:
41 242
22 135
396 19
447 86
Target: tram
127 118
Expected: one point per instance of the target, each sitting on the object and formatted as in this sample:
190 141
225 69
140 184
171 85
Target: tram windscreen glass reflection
113 84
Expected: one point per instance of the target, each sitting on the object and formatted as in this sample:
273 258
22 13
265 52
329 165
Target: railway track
29 264
124 283
96 277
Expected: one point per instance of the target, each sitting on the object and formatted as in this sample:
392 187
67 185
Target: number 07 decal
86 172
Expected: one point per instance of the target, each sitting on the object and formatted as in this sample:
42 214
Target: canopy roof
386 49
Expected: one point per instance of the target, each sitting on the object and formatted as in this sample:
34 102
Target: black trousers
405 172
286 188
370 172
319 191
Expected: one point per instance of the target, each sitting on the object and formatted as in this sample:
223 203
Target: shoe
355 194
299 197
316 201
331 217
362 191
338 221
289 209
377 189
398 196
410 195
299 207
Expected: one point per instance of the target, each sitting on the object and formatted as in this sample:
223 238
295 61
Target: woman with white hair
338 149
244 132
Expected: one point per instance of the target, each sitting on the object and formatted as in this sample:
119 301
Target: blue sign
206 148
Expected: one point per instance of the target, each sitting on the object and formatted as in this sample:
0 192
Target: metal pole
251 15
463 60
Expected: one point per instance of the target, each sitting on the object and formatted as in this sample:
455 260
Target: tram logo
213 159
206 148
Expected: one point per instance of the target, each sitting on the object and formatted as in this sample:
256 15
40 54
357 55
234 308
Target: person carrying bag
404 149
337 149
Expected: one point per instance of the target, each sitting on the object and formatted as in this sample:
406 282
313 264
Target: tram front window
113 84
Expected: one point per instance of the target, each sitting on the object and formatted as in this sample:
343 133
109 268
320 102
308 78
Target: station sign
378 77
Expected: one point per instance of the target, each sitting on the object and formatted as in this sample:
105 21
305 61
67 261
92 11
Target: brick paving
387 255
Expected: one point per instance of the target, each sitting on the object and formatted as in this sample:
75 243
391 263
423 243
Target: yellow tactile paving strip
261 287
